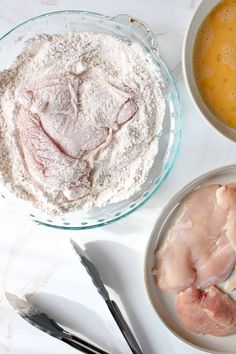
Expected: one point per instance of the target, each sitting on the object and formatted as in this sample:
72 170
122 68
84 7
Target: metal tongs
48 325
114 309
51 327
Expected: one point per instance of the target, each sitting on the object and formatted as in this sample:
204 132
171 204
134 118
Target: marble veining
38 259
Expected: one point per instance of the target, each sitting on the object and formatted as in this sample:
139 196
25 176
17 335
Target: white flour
121 166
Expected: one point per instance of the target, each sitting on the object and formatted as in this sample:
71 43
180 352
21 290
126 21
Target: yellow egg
214 61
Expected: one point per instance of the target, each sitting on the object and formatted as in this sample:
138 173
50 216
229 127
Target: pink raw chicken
207 311
47 165
197 250
57 123
226 198
63 103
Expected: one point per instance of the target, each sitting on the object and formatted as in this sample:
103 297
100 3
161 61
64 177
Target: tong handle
83 346
57 331
124 328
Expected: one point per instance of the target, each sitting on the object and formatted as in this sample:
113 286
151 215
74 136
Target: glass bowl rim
180 115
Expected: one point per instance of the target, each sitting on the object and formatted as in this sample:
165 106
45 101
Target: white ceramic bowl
201 12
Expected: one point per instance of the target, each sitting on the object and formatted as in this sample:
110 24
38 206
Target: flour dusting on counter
79 121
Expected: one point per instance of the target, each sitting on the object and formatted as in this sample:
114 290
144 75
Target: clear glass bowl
126 28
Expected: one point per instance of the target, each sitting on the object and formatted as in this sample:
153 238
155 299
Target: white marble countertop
35 258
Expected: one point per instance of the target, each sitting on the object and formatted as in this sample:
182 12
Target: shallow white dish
163 301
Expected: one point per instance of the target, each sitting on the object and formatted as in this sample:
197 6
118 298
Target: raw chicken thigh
199 248
111 106
61 102
207 311
57 125
46 164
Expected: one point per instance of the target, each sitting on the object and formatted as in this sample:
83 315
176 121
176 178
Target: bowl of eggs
209 63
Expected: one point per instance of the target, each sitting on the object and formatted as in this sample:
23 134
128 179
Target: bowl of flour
90 118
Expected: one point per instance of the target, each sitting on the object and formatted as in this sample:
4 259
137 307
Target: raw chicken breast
197 251
55 100
207 311
57 123
226 198
46 164
111 106
63 104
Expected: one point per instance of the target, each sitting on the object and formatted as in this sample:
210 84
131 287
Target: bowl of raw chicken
190 263
41 153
